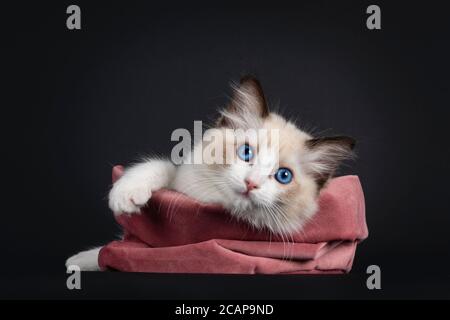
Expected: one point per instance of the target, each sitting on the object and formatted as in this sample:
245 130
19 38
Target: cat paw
128 197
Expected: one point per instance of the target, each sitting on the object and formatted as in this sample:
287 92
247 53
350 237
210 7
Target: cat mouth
246 194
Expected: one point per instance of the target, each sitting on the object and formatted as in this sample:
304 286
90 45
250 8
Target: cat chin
250 211
244 196
243 203
240 204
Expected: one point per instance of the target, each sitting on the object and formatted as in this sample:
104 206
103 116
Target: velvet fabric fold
176 234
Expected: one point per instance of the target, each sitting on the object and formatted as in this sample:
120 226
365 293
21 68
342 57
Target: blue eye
283 175
245 152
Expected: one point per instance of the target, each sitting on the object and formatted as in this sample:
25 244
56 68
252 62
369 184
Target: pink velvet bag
176 234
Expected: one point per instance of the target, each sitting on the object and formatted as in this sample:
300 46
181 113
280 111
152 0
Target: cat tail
85 260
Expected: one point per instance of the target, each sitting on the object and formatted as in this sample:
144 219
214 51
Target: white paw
85 260
128 196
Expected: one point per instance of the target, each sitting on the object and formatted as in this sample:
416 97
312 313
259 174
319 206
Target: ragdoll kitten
279 196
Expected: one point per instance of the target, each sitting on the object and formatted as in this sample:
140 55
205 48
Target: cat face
270 180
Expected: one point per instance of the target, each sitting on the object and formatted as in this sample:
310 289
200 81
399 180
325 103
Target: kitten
280 196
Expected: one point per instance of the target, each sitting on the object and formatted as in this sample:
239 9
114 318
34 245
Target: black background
77 102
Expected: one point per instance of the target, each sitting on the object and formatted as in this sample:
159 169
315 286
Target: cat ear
324 155
248 104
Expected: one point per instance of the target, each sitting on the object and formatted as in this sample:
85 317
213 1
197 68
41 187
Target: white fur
225 187
85 260
135 187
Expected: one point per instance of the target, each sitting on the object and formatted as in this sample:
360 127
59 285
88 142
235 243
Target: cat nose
250 185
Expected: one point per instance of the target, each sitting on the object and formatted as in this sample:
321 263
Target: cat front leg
135 187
